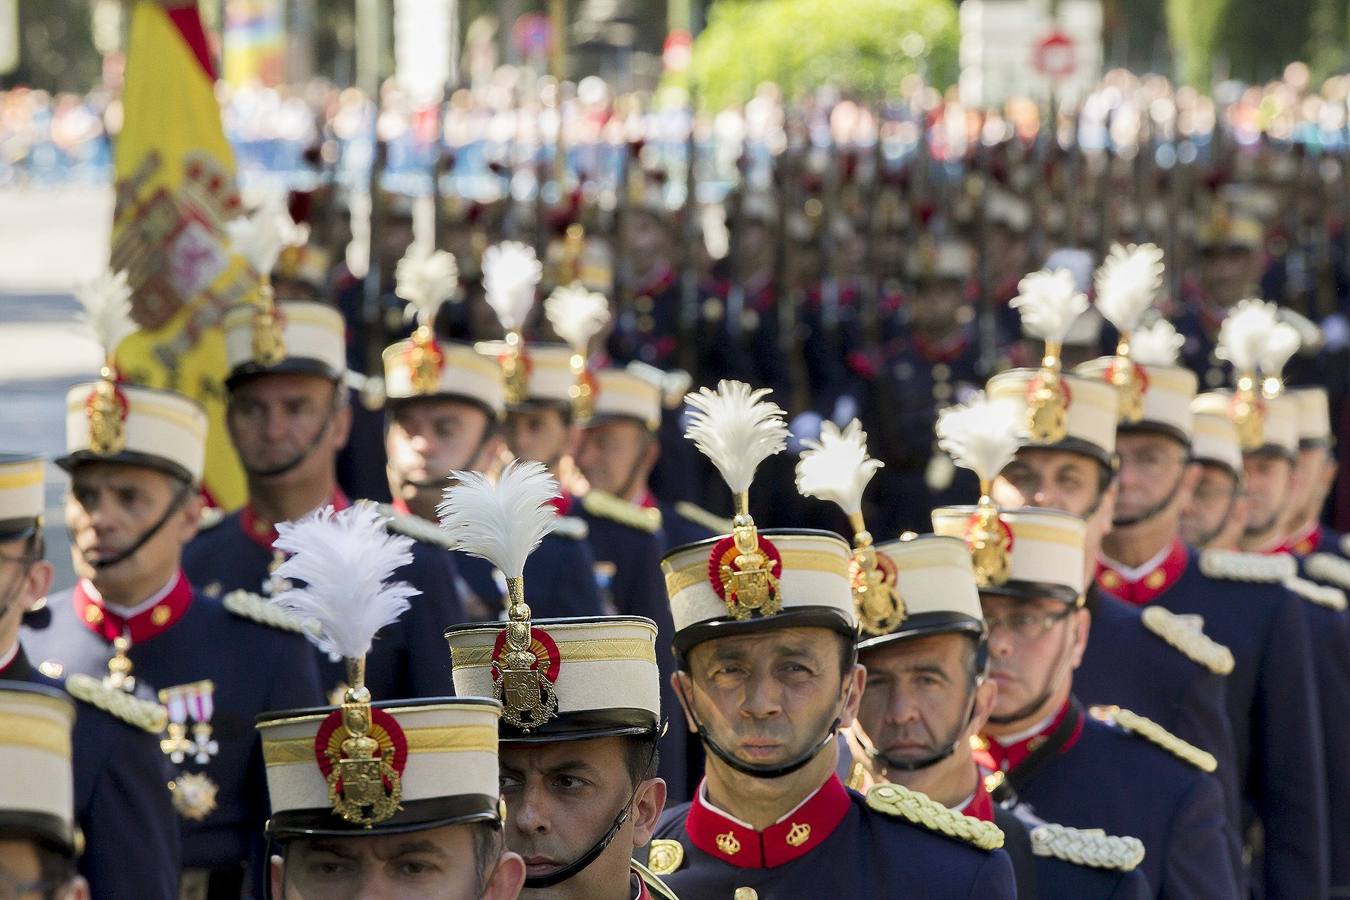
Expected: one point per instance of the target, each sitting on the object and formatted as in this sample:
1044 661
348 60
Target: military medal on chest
188 738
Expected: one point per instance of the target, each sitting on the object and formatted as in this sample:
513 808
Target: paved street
50 240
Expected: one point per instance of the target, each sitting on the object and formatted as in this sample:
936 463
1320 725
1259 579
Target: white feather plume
1158 344
426 280
836 468
501 522
1049 302
511 272
259 238
345 562
981 434
107 308
737 429
1242 336
1281 343
577 314
1127 283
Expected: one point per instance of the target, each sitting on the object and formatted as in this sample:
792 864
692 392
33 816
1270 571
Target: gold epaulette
247 605
1320 594
607 506
700 516
655 886
1328 568
1151 731
210 518
665 856
1087 847
143 714
1235 565
920 809
415 527
571 527
1193 643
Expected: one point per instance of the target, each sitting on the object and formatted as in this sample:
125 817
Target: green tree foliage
862 46
56 49
1193 27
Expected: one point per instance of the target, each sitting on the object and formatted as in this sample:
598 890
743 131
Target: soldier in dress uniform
765 627
922 640
1230 245
287 417
121 804
39 844
1306 536
1066 461
444 407
1269 458
649 331
135 458
928 694
582 712
1272 692
377 797
1216 515
1070 764
929 363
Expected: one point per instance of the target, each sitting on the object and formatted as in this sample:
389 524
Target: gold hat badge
503 523
1048 303
259 239
1127 283
1251 338
737 429
981 435
577 315
511 274
426 280
346 561
836 468
107 305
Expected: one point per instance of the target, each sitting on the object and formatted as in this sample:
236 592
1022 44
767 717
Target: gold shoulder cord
1234 565
1193 643
143 714
250 606
700 516
1329 568
1151 731
607 506
417 528
1319 594
900 802
1087 848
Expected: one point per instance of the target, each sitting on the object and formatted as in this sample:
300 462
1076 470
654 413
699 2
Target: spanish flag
176 189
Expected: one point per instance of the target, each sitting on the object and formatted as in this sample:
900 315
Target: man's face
920 696
768 697
1152 470
1210 507
21 864
24 579
938 305
561 798
428 439
1051 479
538 434
1227 275
614 456
1306 494
275 419
110 506
1034 646
436 864
645 237
1268 478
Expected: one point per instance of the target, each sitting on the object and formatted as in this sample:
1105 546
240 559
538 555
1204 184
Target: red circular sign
1055 55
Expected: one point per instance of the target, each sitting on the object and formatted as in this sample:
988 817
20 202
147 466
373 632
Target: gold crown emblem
876 598
525 664
728 844
799 834
744 569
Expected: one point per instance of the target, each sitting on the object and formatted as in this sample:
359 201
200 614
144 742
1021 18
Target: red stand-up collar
109 624
642 892
997 757
264 533
1152 584
981 805
1302 542
792 837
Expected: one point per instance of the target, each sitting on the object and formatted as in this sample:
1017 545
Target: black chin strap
1154 510
1204 540
753 770
184 489
303 455
562 873
441 482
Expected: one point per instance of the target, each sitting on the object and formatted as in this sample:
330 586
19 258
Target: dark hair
57 868
487 849
640 758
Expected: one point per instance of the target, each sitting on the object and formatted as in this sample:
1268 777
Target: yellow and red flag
175 183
